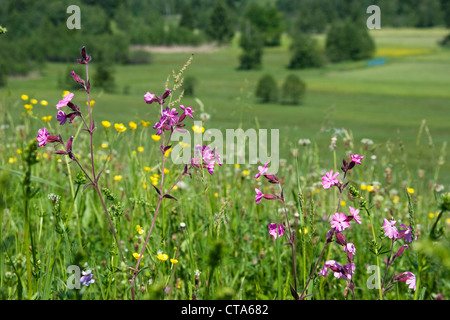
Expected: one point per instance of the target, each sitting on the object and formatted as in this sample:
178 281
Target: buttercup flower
66 99
44 102
390 230
24 97
275 230
136 255
339 222
162 256
139 229
145 123
329 179
33 101
47 118
355 214
174 261
106 124
120 127
132 125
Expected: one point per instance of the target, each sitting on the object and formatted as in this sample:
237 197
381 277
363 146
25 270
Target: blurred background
310 68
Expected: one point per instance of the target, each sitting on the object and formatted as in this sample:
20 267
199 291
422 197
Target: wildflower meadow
174 202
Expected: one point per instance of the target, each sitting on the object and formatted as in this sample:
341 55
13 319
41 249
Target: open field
402 106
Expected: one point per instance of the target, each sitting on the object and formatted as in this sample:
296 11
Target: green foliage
219 27
104 77
347 41
140 57
305 53
187 18
267 89
189 85
252 44
293 89
267 21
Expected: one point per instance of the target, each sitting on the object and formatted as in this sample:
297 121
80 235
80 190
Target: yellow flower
65 92
174 261
198 129
47 118
237 165
19 151
105 145
140 149
447 221
363 187
246 172
431 215
343 203
132 125
106 124
145 123
28 107
12 160
144 186
166 171
155 137
92 103
175 188
136 255
396 199
370 188
33 101
120 127
148 169
216 195
304 229
410 190
162 256
117 178
44 102
24 97
139 229
184 145
168 151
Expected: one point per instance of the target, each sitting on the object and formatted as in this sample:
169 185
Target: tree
252 44
267 21
187 18
304 53
348 41
293 89
220 27
267 89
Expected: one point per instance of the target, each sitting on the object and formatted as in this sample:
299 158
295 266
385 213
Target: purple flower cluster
207 158
345 272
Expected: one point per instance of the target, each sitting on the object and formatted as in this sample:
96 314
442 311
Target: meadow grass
224 250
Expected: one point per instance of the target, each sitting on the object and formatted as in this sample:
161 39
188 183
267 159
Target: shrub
189 84
104 77
140 57
293 89
267 89
304 53
347 41
252 44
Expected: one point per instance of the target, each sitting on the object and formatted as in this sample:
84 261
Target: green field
401 105
386 102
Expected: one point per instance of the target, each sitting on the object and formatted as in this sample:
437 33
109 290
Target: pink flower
273 230
61 117
258 196
149 97
42 137
409 278
262 170
390 230
355 214
405 233
66 99
187 112
329 180
339 222
356 158
350 247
